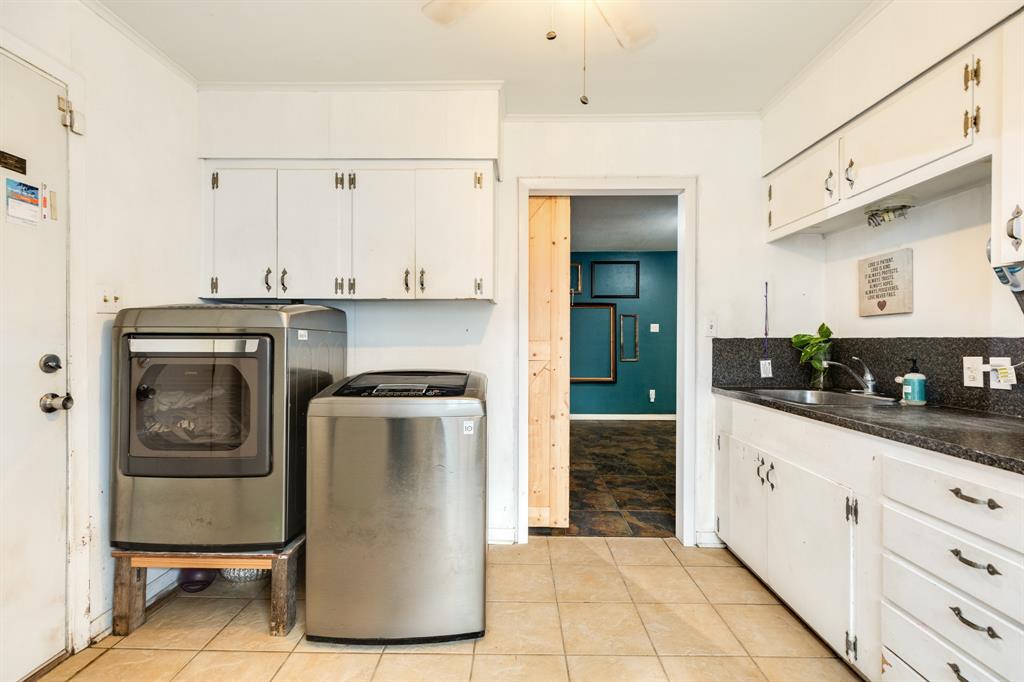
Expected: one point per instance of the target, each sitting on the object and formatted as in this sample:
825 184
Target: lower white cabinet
795 529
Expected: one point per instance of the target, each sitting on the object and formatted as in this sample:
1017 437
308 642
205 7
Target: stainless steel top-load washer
396 521
209 421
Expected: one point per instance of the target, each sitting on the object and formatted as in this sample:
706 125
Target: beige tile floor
559 609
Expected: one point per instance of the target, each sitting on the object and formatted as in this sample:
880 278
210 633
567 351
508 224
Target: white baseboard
501 536
624 417
709 538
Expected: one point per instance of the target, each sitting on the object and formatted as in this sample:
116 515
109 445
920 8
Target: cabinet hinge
769 192
972 74
718 524
769 218
214 285
852 509
718 441
851 646
351 180
215 180
339 181
478 180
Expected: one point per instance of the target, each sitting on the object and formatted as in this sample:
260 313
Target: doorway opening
610 295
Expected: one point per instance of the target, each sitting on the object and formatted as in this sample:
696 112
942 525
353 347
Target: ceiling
621 223
709 55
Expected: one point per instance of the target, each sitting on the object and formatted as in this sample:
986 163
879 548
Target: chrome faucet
867 380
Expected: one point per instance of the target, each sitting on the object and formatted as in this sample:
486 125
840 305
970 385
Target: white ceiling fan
630 29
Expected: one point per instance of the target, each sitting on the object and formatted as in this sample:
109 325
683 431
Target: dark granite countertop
982 437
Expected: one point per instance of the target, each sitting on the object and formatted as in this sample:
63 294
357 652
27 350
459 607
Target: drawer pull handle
768 475
992 570
990 503
974 626
759 476
956 671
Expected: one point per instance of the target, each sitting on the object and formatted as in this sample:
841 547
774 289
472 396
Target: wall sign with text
887 283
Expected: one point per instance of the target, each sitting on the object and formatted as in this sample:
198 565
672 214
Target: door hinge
851 646
214 285
339 181
478 180
852 509
70 118
351 180
215 180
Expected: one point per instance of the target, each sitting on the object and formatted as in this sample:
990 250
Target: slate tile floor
621 479
560 609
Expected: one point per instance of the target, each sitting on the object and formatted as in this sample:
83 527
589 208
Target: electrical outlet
766 369
973 375
652 394
994 381
655 327
711 326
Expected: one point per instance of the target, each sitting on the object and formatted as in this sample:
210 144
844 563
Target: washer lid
405 384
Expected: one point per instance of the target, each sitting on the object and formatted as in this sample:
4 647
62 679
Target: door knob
51 402
50 363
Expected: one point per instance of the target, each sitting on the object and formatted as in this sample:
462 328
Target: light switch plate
973 375
652 394
655 327
994 381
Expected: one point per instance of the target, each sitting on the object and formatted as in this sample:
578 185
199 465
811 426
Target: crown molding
107 15
844 36
634 118
348 86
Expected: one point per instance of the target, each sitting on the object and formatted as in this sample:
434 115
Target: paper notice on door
22 201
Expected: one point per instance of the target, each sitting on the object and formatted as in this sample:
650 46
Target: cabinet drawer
894 669
992 513
932 658
994 579
999 643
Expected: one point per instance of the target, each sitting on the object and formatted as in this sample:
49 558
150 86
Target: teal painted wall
657 366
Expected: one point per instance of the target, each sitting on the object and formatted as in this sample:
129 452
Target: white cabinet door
723 450
806 184
747 505
809 547
314 234
454 233
244 208
929 119
1008 164
384 233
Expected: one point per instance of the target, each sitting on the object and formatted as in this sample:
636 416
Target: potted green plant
815 349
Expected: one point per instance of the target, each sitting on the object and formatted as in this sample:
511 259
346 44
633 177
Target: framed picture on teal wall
615 279
592 356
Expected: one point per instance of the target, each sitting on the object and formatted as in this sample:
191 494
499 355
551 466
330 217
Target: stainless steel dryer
209 421
396 518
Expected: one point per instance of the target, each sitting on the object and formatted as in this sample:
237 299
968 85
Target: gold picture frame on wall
601 343
575 278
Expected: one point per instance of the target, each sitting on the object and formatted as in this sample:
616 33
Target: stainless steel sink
809 397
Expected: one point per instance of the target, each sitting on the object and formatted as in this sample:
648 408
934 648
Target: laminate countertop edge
990 439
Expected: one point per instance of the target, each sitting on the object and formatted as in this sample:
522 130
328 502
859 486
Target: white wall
955 291
137 231
733 261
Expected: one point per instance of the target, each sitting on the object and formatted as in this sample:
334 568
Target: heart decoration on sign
881 305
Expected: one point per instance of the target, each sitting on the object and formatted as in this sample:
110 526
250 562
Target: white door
454 232
929 119
33 324
314 234
384 234
805 185
809 545
747 492
245 233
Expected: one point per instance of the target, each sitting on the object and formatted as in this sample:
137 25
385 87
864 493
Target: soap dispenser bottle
913 385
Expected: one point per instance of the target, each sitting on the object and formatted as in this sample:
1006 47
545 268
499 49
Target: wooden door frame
79 363
685 187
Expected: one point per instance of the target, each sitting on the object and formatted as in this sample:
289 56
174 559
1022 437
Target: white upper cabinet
384 233
244 231
929 119
454 233
805 186
314 234
1008 168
